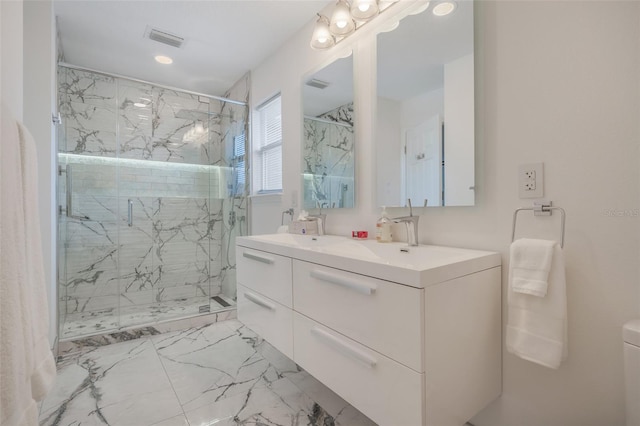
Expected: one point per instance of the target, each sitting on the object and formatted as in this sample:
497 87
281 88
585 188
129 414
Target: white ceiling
224 38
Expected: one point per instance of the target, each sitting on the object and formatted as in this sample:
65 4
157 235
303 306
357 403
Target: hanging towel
27 369
44 367
530 264
537 326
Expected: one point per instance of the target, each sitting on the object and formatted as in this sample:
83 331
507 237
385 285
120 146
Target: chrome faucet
290 213
411 223
321 219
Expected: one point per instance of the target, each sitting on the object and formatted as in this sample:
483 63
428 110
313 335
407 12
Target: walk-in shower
151 194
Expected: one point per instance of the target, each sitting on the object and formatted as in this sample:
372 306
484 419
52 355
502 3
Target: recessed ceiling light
139 105
165 60
444 8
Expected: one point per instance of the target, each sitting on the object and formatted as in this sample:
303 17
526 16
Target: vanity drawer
268 274
267 318
386 391
382 315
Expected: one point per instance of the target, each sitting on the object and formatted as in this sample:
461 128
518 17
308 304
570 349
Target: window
239 172
268 149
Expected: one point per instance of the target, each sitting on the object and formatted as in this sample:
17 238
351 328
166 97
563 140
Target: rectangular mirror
425 106
328 142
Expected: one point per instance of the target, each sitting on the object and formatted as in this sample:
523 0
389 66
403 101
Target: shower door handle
129 212
69 187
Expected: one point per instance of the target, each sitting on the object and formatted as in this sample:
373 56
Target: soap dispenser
383 227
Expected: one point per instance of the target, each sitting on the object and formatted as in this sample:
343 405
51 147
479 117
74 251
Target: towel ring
540 209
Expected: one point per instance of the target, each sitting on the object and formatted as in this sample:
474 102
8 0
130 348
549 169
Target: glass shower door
88 238
152 194
165 221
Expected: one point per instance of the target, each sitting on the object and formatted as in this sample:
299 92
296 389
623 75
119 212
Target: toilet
631 336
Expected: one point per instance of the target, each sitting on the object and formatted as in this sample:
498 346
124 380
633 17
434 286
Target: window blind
270 146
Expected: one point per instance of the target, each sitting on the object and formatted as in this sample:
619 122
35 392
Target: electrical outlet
530 180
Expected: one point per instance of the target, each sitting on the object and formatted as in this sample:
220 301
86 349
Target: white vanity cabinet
381 315
416 345
265 297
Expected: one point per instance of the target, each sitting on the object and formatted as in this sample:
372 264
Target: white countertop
418 267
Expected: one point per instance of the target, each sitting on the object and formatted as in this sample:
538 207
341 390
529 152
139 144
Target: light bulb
444 8
363 10
341 22
165 60
322 38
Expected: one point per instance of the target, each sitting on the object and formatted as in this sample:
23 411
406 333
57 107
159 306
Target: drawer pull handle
263 259
345 348
353 284
259 301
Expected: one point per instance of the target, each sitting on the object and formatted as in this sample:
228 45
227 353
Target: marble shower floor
82 324
219 374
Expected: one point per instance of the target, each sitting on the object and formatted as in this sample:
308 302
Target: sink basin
415 266
302 241
397 254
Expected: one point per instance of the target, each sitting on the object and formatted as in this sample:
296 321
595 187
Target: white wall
266 214
11 59
39 103
557 82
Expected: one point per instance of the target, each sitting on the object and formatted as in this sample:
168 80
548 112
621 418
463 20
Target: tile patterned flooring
219 374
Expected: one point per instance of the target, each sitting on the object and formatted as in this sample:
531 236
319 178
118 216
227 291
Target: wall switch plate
531 180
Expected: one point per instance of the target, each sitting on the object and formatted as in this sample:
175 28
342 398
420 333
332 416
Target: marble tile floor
218 374
81 324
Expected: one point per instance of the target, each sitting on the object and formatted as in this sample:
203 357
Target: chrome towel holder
542 208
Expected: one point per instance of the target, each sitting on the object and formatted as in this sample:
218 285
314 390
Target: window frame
263 147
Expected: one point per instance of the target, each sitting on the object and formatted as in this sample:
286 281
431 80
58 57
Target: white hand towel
530 265
537 326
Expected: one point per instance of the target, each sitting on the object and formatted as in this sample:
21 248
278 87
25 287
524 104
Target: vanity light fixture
444 8
341 21
322 37
346 18
364 9
164 60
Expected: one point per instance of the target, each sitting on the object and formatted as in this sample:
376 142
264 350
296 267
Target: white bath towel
27 367
44 367
537 326
530 262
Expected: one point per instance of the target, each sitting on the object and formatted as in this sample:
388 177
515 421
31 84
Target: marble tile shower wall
328 159
236 120
169 154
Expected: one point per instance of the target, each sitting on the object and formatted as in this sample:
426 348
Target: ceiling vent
164 37
318 84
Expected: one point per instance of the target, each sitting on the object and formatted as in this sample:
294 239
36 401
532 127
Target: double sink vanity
407 335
